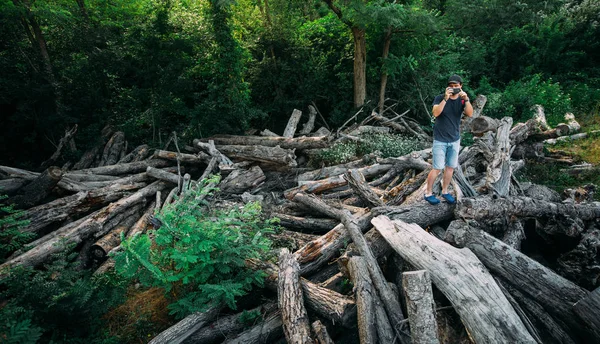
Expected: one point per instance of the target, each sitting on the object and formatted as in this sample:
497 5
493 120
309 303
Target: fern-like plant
198 255
11 237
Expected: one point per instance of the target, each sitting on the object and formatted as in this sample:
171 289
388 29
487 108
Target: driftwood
283 142
290 129
571 137
213 151
291 303
199 158
35 192
420 306
553 292
240 180
310 124
482 306
276 156
364 292
305 224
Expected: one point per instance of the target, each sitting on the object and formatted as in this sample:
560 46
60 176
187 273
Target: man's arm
438 108
468 111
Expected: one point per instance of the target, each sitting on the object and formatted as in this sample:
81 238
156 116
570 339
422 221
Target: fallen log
588 310
305 224
283 142
329 304
138 154
269 133
334 182
335 170
291 303
290 128
268 331
321 335
179 332
276 156
484 124
11 185
213 151
420 306
310 124
555 293
363 291
36 191
198 158
478 105
127 168
240 180
357 182
66 139
99 250
571 137
93 227
112 149
581 263
291 239
483 308
399 193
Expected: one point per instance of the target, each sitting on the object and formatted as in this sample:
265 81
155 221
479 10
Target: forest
107 104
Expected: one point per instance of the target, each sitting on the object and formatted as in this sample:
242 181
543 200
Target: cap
455 78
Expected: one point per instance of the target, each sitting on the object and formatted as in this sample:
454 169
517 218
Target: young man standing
447 110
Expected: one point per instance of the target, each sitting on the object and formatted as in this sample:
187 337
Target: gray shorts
445 154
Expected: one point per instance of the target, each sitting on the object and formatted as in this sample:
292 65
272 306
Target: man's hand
463 95
448 93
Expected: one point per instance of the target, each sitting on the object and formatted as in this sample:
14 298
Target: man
447 110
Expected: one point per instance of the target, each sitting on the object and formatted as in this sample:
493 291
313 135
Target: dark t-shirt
447 124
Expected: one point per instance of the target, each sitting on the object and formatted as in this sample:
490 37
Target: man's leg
448 171
439 157
430 180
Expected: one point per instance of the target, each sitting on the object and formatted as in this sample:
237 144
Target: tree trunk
360 66
241 180
290 129
555 293
68 137
36 191
268 156
179 332
320 331
588 309
291 303
420 306
310 124
482 306
305 224
357 182
127 168
199 158
387 40
283 142
336 170
363 293
478 105
11 186
267 331
99 250
138 154
112 149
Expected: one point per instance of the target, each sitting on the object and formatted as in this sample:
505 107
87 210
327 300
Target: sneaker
448 197
432 199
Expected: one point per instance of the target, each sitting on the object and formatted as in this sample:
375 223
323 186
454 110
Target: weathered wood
389 123
571 137
276 156
399 193
363 291
36 191
138 154
484 124
478 105
226 326
112 149
485 207
99 250
127 168
357 182
93 227
559 131
267 331
307 224
11 185
321 334
335 181
336 170
290 129
291 239
269 133
241 180
291 302
482 306
385 331
179 332
198 158
329 304
498 173
390 301
555 293
213 151
66 139
310 124
581 263
420 306
283 142
588 309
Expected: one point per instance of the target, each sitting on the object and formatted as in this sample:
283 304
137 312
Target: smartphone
455 90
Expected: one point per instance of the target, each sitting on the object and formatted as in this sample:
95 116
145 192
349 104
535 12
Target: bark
291 302
555 293
392 306
240 180
390 123
73 206
570 138
305 224
163 175
310 124
387 40
270 156
360 66
99 250
398 194
329 304
59 148
268 133
336 170
420 306
363 293
484 124
334 182
478 105
36 191
186 327
283 142
199 158
224 327
581 263
266 332
292 240
588 309
290 129
93 227
485 311
11 186
357 182
560 130
496 150
112 149
127 168
138 154
321 334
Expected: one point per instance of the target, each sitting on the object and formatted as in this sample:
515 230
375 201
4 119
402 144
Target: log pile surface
366 258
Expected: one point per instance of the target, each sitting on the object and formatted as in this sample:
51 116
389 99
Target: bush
197 255
11 237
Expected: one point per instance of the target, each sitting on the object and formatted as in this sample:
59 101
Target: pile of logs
510 262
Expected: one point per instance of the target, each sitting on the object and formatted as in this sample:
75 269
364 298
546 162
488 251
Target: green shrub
197 256
11 237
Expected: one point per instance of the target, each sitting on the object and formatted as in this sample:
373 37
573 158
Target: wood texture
420 307
363 292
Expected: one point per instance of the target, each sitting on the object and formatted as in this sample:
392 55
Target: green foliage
552 176
388 145
60 302
249 317
519 96
11 236
197 255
